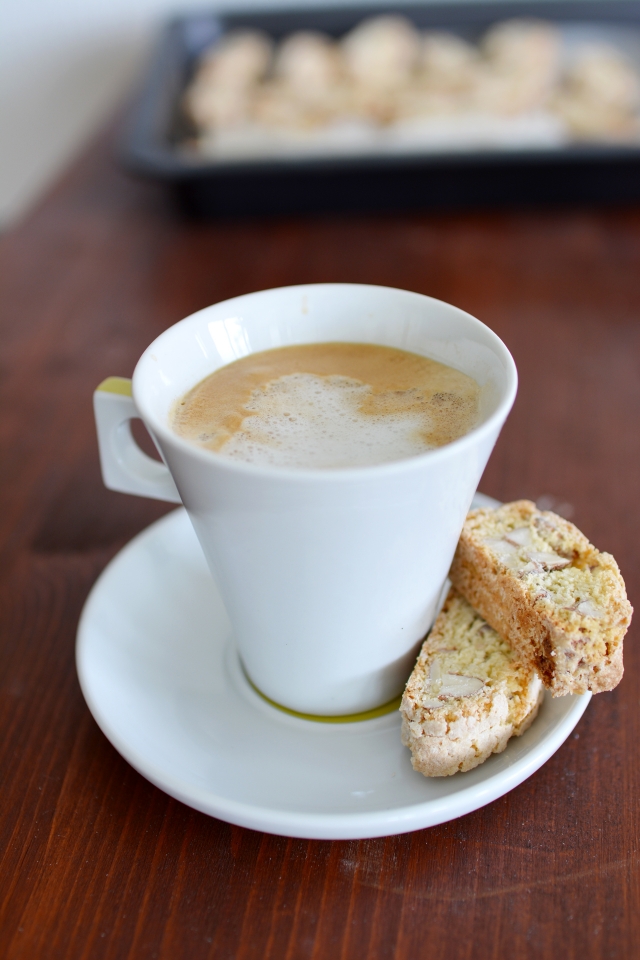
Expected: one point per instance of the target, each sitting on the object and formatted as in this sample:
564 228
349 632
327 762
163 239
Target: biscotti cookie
468 694
539 582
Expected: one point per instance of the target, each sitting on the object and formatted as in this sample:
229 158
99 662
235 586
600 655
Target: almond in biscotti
559 601
469 693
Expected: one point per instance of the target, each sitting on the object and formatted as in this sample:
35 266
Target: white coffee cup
330 577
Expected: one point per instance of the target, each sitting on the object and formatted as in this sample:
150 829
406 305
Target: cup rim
330 474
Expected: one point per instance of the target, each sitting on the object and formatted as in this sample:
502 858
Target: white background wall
64 64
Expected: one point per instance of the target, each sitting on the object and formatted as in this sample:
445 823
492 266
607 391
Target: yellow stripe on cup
380 711
120 385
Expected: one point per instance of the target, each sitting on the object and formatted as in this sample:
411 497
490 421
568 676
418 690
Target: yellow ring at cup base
380 711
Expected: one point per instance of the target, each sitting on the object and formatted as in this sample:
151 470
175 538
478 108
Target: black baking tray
603 174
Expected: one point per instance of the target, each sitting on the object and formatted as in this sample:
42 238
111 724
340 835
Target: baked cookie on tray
469 693
558 601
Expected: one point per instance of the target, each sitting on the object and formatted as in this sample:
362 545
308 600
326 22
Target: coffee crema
328 406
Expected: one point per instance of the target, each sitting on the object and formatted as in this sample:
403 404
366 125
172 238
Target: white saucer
160 674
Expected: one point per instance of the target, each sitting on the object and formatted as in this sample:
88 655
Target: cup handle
125 467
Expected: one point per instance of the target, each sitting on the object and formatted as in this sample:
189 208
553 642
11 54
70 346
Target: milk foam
304 420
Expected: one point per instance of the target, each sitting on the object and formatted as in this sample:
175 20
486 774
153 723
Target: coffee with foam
328 406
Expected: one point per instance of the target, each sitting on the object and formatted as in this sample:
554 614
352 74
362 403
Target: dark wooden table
96 862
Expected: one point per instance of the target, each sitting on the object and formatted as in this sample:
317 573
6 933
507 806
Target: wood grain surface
96 862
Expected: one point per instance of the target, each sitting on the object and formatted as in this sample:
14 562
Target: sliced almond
531 567
458 685
588 609
500 546
449 685
521 537
548 560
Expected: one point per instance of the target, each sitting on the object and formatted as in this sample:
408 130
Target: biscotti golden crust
559 601
469 693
